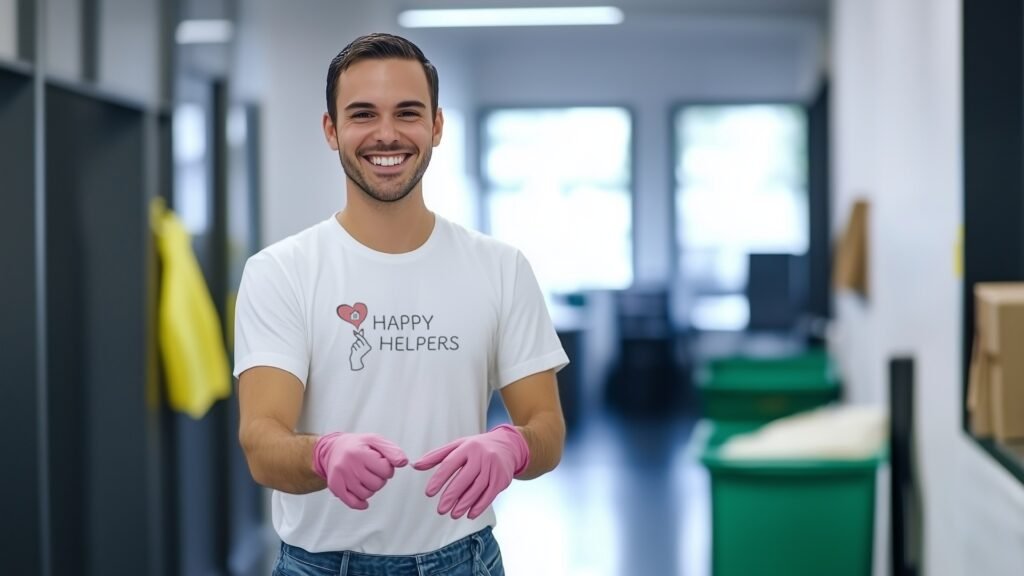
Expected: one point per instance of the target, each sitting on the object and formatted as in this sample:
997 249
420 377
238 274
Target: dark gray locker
19 344
103 397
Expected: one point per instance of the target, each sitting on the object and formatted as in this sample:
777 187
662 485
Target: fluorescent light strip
474 17
204 32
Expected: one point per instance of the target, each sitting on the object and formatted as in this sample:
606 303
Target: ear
330 132
438 126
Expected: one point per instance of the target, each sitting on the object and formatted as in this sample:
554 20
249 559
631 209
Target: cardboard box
1007 423
996 389
979 393
851 258
995 302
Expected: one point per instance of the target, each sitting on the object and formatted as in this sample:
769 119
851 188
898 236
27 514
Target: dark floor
627 499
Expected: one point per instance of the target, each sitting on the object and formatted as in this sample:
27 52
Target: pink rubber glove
356 465
483 466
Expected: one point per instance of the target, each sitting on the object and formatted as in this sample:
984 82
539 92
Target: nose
386 132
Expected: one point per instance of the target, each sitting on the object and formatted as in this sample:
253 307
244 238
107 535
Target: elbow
555 445
554 455
257 473
552 462
247 441
258 477
260 474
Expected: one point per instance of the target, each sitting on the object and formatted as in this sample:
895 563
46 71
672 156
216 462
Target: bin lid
813 359
716 463
756 380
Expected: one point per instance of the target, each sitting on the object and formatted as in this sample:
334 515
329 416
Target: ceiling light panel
480 17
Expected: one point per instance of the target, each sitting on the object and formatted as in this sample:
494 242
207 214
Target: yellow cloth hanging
191 341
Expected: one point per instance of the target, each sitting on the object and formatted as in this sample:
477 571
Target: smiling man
380 334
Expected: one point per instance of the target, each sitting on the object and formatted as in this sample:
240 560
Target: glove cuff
518 443
320 452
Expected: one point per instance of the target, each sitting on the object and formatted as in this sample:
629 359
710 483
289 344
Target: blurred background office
711 192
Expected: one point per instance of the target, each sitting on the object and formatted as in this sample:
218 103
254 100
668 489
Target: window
741 188
558 186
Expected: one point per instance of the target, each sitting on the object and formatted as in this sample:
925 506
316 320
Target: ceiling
645 20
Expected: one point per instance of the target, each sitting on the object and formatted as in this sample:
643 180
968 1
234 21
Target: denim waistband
462 550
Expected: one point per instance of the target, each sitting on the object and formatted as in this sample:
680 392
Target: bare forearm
545 435
280 459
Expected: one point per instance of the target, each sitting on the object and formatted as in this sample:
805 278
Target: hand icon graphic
360 348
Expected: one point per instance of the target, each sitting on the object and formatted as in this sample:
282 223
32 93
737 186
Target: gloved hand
356 465
483 465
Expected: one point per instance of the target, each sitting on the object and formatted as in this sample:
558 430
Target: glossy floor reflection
627 499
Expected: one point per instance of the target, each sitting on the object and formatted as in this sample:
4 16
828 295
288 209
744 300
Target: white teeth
387 160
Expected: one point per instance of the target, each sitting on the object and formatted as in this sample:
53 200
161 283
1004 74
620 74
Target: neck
388 227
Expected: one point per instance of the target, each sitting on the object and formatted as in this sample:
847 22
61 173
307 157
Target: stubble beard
389 193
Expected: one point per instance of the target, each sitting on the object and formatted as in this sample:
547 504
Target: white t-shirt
409 346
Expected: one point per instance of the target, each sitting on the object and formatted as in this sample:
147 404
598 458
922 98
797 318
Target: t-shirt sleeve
269 322
527 341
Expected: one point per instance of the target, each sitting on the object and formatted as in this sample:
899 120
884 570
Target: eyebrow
371 106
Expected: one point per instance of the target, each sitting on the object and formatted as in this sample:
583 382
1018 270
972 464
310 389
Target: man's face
384 133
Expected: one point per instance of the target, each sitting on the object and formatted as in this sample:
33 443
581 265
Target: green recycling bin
761 390
790 517
814 360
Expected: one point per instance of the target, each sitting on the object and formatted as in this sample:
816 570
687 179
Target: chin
386 198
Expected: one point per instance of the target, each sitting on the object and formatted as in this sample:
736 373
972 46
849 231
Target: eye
409 114
361 115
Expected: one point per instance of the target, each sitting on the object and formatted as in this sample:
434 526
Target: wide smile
387 163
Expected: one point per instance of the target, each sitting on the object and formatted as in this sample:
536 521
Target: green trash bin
791 517
816 360
746 390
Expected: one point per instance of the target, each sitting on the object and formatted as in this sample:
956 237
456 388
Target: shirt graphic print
355 315
418 323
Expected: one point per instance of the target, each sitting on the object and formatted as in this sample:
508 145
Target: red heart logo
354 315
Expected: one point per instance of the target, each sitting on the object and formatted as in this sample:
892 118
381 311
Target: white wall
302 181
64 38
896 141
129 43
8 29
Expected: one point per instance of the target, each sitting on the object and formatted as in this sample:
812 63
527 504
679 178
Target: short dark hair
377 46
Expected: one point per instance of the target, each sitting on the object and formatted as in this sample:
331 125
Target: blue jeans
475 555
